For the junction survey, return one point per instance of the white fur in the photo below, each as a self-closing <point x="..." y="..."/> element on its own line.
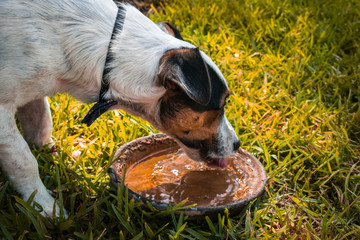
<point x="46" y="47"/>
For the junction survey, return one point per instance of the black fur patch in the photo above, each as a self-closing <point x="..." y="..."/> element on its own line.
<point x="218" y="90"/>
<point x="176" y="32"/>
<point x="193" y="144"/>
<point x="170" y="29"/>
<point x="198" y="85"/>
<point x="186" y="68"/>
<point x="202" y="146"/>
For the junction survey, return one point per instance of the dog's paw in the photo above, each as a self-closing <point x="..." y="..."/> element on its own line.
<point x="48" y="211"/>
<point x="49" y="206"/>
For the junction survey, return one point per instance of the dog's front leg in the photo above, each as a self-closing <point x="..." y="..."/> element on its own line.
<point x="20" y="165"/>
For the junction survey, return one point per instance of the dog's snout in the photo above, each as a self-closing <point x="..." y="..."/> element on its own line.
<point x="236" y="144"/>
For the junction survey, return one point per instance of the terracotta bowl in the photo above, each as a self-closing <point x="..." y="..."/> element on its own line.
<point x="137" y="150"/>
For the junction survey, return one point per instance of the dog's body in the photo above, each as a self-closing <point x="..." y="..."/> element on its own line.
<point x="51" y="46"/>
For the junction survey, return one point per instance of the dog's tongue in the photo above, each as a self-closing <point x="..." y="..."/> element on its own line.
<point x="217" y="162"/>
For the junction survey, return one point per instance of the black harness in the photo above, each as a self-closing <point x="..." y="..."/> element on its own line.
<point x="104" y="104"/>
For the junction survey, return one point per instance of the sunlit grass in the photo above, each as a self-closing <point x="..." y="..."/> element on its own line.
<point x="294" y="71"/>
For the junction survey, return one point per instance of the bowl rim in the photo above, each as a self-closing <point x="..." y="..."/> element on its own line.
<point x="233" y="207"/>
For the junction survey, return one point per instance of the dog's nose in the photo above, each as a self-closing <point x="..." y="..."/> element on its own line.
<point x="236" y="144"/>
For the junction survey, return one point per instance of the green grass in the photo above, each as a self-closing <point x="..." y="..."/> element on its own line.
<point x="294" y="71"/>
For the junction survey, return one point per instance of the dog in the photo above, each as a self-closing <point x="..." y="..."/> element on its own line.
<point x="98" y="51"/>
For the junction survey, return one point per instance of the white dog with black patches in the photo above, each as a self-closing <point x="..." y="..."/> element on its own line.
<point x="97" y="51"/>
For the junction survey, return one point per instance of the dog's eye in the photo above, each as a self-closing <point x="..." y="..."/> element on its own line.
<point x="187" y="132"/>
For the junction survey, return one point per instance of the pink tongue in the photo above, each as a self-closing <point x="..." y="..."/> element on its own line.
<point x="217" y="162"/>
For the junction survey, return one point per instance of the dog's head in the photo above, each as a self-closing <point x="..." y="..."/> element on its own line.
<point x="192" y="108"/>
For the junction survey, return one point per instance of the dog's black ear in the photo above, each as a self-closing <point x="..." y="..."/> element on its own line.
<point x="186" y="68"/>
<point x="170" y="29"/>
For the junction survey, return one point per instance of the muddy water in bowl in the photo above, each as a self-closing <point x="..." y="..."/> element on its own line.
<point x="159" y="173"/>
<point x="171" y="177"/>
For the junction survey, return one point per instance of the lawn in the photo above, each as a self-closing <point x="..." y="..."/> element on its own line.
<point x="293" y="67"/>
